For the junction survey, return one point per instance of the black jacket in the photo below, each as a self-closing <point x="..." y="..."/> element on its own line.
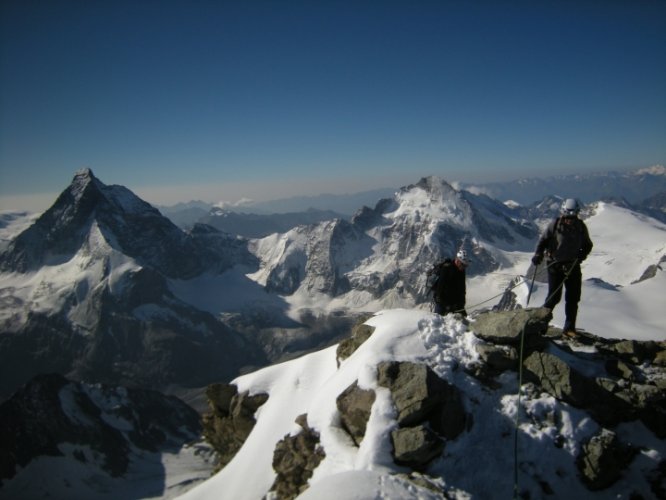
<point x="449" y="286"/>
<point x="565" y="241"/>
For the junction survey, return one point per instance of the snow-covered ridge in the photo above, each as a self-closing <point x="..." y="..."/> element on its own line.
<point x="551" y="432"/>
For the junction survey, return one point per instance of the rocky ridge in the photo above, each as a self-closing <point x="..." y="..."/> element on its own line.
<point x="621" y="382"/>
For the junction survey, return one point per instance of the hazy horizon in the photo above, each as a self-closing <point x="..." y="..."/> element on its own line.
<point x="249" y="193"/>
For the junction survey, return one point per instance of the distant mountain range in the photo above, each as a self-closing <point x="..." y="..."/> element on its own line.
<point x="634" y="186"/>
<point x="102" y="287"/>
<point x="643" y="190"/>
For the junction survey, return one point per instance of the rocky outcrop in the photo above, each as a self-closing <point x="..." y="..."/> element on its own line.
<point x="294" y="460"/>
<point x="429" y="411"/>
<point x="231" y="419"/>
<point x="420" y="396"/>
<point x="360" y="333"/>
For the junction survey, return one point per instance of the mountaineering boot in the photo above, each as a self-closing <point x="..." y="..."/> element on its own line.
<point x="569" y="329"/>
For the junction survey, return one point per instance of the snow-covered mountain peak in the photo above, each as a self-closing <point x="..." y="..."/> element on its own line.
<point x="434" y="198"/>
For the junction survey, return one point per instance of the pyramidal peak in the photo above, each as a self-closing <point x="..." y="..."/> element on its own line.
<point x="83" y="179"/>
<point x="85" y="184"/>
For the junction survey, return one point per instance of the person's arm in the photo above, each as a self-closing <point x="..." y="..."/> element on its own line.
<point x="542" y="245"/>
<point x="587" y="245"/>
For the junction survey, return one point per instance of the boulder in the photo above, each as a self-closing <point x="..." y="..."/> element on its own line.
<point x="355" y="405"/>
<point x="415" y="389"/>
<point x="498" y="357"/>
<point x="634" y="351"/>
<point x="416" y="446"/>
<point x="420" y="396"/>
<point x="506" y="327"/>
<point x="602" y="460"/>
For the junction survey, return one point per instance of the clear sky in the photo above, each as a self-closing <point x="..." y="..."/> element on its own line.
<point x="219" y="100"/>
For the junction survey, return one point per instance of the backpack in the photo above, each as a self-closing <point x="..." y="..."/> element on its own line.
<point x="567" y="242"/>
<point x="436" y="278"/>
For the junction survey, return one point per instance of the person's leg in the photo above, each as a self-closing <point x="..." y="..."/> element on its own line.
<point x="555" y="281"/>
<point x="572" y="295"/>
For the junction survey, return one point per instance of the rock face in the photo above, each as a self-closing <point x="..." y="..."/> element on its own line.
<point x="107" y="428"/>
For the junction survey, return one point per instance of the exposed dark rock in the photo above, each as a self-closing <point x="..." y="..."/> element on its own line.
<point x="498" y="357"/>
<point x="602" y="460"/>
<point x="360" y="333"/>
<point x="355" y="405"/>
<point x="567" y="384"/>
<point x="428" y="407"/>
<point x="294" y="460"/>
<point x="231" y="419"/>
<point x="421" y="396"/>
<point x="634" y="351"/>
<point x="506" y="327"/>
<point x="416" y="446"/>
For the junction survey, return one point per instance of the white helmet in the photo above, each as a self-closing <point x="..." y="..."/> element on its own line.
<point x="570" y="207"/>
<point x="462" y="257"/>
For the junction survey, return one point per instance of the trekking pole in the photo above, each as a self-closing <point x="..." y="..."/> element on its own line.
<point x="529" y="294"/>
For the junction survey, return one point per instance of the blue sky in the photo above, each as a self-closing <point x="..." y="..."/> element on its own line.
<point x="216" y="100"/>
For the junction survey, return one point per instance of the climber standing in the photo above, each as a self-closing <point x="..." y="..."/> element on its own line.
<point x="565" y="243"/>
<point x="448" y="287"/>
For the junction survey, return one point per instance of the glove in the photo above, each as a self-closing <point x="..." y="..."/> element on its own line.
<point x="536" y="260"/>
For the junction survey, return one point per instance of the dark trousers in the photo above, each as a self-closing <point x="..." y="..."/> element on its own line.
<point x="568" y="276"/>
<point x="445" y="309"/>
